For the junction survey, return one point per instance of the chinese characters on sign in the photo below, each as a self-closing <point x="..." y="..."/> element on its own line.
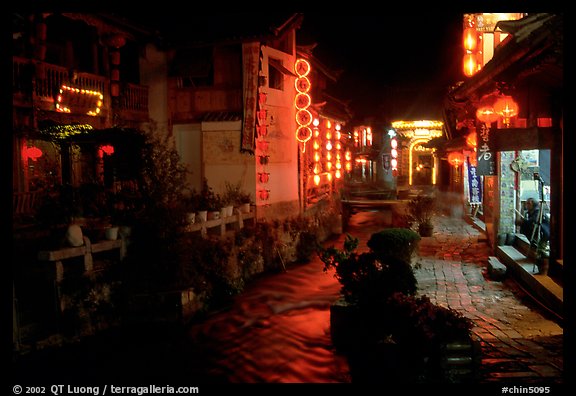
<point x="474" y="184"/>
<point x="486" y="159"/>
<point x="251" y="65"/>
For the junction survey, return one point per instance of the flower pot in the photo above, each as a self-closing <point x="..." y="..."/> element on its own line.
<point x="202" y="215"/>
<point x="245" y="208"/>
<point x="74" y="236"/>
<point x="111" y="233"/>
<point x="191" y="217"/>
<point x="229" y="210"/>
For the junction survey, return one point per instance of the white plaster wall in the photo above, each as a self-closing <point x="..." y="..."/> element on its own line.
<point x="222" y="160"/>
<point x="283" y="147"/>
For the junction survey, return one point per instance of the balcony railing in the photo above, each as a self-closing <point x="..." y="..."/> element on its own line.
<point x="40" y="82"/>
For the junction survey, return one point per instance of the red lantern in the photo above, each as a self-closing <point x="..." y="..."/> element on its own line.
<point x="262" y="130"/>
<point x="33" y="153"/>
<point x="471" y="139"/>
<point x="469" y="65"/>
<point x="116" y="41"/>
<point x="264" y="194"/>
<point x="506" y="107"/>
<point x="455" y="158"/>
<point x="487" y="114"/>
<point x="107" y="149"/>
<point x="485" y="110"/>
<point x="264" y="177"/>
<point x="470" y="39"/>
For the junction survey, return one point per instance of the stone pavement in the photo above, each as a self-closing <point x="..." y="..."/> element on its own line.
<point x="521" y="343"/>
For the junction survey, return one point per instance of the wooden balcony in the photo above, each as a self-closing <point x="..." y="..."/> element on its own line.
<point x="36" y="84"/>
<point x="188" y="102"/>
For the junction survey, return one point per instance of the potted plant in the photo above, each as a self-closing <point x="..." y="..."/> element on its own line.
<point x="542" y="256"/>
<point x="421" y="210"/>
<point x="235" y="196"/>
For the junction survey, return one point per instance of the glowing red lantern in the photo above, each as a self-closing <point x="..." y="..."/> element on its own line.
<point x="264" y="194"/>
<point x="116" y="41"/>
<point x="487" y="115"/>
<point x="107" y="149"/>
<point x="264" y="177"/>
<point x="262" y="130"/>
<point x="470" y="39"/>
<point x="506" y="107"/>
<point x="455" y="158"/>
<point x="263" y="145"/>
<point x="33" y="153"/>
<point x="469" y="65"/>
<point x="471" y="139"/>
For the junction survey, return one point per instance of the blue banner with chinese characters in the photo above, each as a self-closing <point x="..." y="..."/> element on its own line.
<point x="474" y="184"/>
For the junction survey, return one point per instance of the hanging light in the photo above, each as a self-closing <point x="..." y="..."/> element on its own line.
<point x="507" y="108"/>
<point x="471" y="139"/>
<point x="485" y="110"/>
<point x="455" y="158"/>
<point x="107" y="149"/>
<point x="33" y="153"/>
<point x="470" y="38"/>
<point x="469" y="65"/>
<point x="487" y="115"/>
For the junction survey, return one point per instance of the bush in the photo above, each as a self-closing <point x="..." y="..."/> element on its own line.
<point x="399" y="243"/>
<point x="426" y="326"/>
<point x="369" y="278"/>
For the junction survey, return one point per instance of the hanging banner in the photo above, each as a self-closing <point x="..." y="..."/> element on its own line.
<point x="474" y="184"/>
<point x="251" y="64"/>
<point x="486" y="158"/>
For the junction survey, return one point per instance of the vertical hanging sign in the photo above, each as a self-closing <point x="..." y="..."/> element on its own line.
<point x="485" y="155"/>
<point x="474" y="184"/>
<point x="250" y="68"/>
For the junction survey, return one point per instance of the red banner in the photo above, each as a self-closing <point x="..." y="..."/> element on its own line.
<point x="251" y="66"/>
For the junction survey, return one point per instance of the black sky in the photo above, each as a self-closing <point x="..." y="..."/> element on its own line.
<point x="412" y="55"/>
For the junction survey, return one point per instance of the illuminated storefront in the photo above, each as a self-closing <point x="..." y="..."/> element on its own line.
<point x="417" y="164"/>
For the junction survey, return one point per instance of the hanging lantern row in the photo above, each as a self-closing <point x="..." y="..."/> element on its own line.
<point x="262" y="145"/>
<point x="394" y="154"/>
<point x="471" y="42"/>
<point x="302" y="102"/>
<point x="338" y="151"/>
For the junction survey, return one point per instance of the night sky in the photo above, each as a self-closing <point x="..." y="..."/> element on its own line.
<point x="387" y="58"/>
